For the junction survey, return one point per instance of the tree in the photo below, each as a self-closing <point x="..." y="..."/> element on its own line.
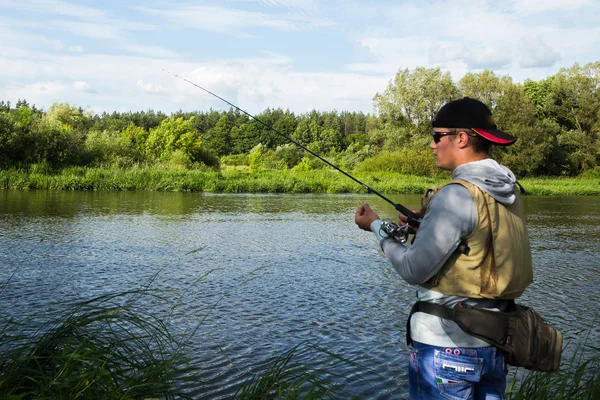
<point x="485" y="87"/>
<point x="218" y="139"/>
<point x="415" y="96"/>
<point x="540" y="93"/>
<point x="174" y="134"/>
<point x="331" y="140"/>
<point x="576" y="95"/>
<point x="245" y="137"/>
<point x="58" y="138"/>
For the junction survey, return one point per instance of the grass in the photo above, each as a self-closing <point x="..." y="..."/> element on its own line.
<point x="118" y="346"/>
<point x="286" y="379"/>
<point x="113" y="347"/>
<point x="108" y="347"/>
<point x="578" y="379"/>
<point x="239" y="181"/>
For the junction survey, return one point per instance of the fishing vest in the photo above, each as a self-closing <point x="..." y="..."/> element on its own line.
<point x="498" y="264"/>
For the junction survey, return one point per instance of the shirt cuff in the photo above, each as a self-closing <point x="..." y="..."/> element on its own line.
<point x="376" y="229"/>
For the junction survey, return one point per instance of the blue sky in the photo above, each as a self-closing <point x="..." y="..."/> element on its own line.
<point x="297" y="54"/>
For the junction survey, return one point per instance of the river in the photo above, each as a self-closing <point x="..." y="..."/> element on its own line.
<point x="281" y="270"/>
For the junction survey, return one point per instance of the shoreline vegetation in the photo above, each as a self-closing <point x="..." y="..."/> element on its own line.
<point x="66" y="147"/>
<point x="243" y="181"/>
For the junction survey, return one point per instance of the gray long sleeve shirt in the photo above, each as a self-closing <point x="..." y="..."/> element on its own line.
<point x="450" y="217"/>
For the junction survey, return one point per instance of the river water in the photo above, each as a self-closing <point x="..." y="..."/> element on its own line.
<point x="265" y="273"/>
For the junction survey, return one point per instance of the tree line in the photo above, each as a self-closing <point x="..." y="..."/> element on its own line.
<point x="556" y="120"/>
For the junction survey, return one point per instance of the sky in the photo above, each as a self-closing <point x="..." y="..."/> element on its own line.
<point x="300" y="55"/>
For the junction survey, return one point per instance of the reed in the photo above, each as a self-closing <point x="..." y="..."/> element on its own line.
<point x="112" y="347"/>
<point x="285" y="379"/>
<point x="578" y="379"/>
<point x="108" y="347"/>
<point x="243" y="181"/>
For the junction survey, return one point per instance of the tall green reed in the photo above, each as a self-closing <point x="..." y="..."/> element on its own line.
<point x="577" y="379"/>
<point x="109" y="347"/>
<point x="269" y="181"/>
<point x="287" y="378"/>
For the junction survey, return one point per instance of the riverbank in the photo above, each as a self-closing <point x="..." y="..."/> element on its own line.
<point x="240" y="181"/>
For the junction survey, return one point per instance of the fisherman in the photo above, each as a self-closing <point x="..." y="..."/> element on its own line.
<point x="471" y="249"/>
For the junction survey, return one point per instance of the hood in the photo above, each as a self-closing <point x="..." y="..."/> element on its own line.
<point x="490" y="176"/>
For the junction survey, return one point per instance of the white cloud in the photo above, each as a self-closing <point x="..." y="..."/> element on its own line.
<point x="88" y="29"/>
<point x="57" y="7"/>
<point x="43" y="93"/>
<point x="536" y="54"/>
<point x="364" y="46"/>
<point x="151" y="87"/>
<point x="538" y="6"/>
<point x="151" y="51"/>
<point x="55" y="44"/>
<point x="489" y="57"/>
<point x="233" y="21"/>
<point x="83" y="87"/>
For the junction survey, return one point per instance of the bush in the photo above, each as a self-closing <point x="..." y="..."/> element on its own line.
<point x="593" y="173"/>
<point x="236" y="160"/>
<point x="407" y="162"/>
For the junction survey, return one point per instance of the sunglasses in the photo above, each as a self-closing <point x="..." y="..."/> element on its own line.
<point x="437" y="136"/>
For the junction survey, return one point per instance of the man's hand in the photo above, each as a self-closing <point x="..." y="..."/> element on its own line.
<point x="403" y="220"/>
<point x="364" y="217"/>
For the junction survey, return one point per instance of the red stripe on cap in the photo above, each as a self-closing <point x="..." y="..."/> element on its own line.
<point x="491" y="137"/>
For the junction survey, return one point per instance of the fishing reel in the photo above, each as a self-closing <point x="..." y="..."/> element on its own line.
<point x="398" y="233"/>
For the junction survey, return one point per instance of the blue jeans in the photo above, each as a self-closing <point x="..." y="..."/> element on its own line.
<point x="456" y="373"/>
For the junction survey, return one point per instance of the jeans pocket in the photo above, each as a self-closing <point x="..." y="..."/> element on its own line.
<point x="456" y="375"/>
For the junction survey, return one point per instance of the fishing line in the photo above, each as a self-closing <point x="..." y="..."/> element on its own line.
<point x="414" y="219"/>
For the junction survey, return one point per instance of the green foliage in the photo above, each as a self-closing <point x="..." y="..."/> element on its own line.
<point x="108" y="347"/>
<point x="289" y="154"/>
<point x="218" y="139"/>
<point x="108" y="148"/>
<point x="309" y="163"/>
<point x="284" y="378"/>
<point x="59" y="136"/>
<point x="540" y="93"/>
<point x="556" y="120"/>
<point x="408" y="162"/>
<point x="11" y="142"/>
<point x="578" y="378"/>
<point x="236" y="160"/>
<point x="331" y="140"/>
<point x="415" y="97"/>
<point x="591" y="174"/>
<point x="296" y="180"/>
<point x="354" y="155"/>
<point x="485" y="86"/>
<point x="576" y="97"/>
<point x="357" y="140"/>
<point x="580" y="150"/>
<point x="257" y="158"/>
<point x="172" y="134"/>
<point x="391" y="137"/>
<point x="134" y="135"/>
<point x="177" y="142"/>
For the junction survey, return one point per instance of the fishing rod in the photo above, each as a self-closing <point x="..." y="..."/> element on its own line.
<point x="413" y="219"/>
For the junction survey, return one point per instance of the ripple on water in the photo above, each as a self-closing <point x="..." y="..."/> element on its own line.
<point x="263" y="274"/>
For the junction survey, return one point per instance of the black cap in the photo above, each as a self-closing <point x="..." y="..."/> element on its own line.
<point x="471" y="113"/>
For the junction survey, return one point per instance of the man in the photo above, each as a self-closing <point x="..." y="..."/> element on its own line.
<point x="482" y="211"/>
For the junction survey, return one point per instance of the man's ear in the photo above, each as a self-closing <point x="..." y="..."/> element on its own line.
<point x="463" y="139"/>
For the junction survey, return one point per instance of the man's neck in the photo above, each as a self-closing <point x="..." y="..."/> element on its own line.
<point x="473" y="158"/>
